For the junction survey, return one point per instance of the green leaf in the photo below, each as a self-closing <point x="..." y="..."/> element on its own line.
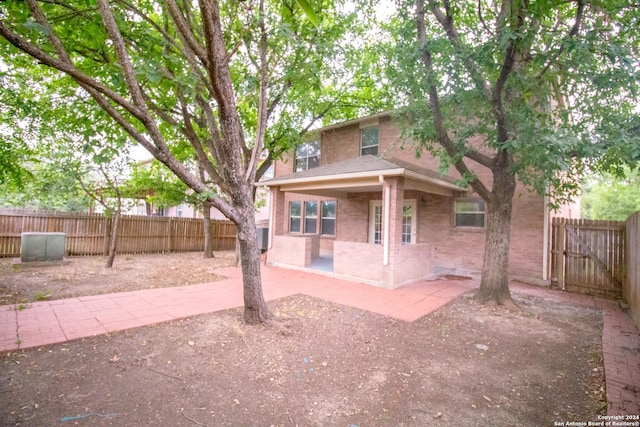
<point x="308" y="11"/>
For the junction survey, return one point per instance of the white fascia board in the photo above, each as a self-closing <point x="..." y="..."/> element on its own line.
<point x="328" y="178"/>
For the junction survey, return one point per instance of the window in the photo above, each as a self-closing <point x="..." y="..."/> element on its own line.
<point x="375" y="223"/>
<point x="303" y="217"/>
<point x="308" y="156"/>
<point x="369" y="141"/>
<point x="407" y="224"/>
<point x="295" y="217"/>
<point x="470" y="213"/>
<point x="310" y="217"/>
<point x="328" y="222"/>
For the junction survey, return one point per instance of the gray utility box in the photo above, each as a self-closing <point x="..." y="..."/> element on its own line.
<point x="42" y="247"/>
<point x="263" y="238"/>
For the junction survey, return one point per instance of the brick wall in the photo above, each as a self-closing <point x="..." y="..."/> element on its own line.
<point x="359" y="261"/>
<point x="412" y="263"/>
<point x="352" y="215"/>
<point x="290" y="250"/>
<point x="463" y="248"/>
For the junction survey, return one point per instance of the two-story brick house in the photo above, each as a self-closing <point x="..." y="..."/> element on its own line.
<point x="354" y="204"/>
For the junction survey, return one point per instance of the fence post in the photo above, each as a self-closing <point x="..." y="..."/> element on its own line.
<point x="170" y="235"/>
<point x="560" y="254"/>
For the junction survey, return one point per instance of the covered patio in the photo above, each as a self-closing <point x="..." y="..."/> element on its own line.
<point x="376" y="238"/>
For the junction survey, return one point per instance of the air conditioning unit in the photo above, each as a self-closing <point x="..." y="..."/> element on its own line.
<point x="42" y="247"/>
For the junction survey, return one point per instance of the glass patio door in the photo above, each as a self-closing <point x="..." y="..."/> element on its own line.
<point x="408" y="222"/>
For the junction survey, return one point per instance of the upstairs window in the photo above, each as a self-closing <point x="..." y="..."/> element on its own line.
<point x="308" y="156"/>
<point x="369" y="141"/>
<point x="470" y="213"/>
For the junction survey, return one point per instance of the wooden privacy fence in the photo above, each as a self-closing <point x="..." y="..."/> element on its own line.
<point x="588" y="256"/>
<point x="90" y="234"/>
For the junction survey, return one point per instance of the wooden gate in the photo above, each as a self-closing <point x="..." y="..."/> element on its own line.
<point x="588" y="256"/>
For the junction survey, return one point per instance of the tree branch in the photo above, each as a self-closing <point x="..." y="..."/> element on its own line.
<point x="479" y="158"/>
<point x="193" y="139"/>
<point x="446" y="22"/>
<point x="572" y="33"/>
<point x="65" y="67"/>
<point x="441" y="134"/>
<point x="184" y="32"/>
<point x="250" y="173"/>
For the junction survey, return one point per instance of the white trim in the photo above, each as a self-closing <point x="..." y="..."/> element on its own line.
<point x="354" y="175"/>
<point x="271" y="216"/>
<point x="545" y="240"/>
<point x="369" y="123"/>
<point x="387" y="220"/>
<point x="413" y="204"/>
<point x="355" y="121"/>
<point x="371" y="235"/>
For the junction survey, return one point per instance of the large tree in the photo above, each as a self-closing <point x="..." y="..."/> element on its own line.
<point x="217" y="77"/>
<point x="529" y="91"/>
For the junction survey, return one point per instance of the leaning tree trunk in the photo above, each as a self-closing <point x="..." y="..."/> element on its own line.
<point x="208" y="241"/>
<point x="494" y="284"/>
<point x="114" y="239"/>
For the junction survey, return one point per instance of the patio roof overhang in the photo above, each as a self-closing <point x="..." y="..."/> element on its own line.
<point x="363" y="174"/>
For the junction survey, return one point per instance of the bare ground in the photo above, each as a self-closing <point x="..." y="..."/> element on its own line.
<point x="326" y="365"/>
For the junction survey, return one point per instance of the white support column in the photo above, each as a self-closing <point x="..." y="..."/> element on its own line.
<point x="272" y="213"/>
<point x="387" y="219"/>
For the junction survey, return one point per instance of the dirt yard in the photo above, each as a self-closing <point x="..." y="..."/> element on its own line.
<point x="81" y="276"/>
<point x="328" y="365"/>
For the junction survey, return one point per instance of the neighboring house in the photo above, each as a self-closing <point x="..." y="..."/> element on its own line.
<point x="354" y="204"/>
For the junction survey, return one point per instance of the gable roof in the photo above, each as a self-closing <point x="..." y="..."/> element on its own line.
<point x="362" y="174"/>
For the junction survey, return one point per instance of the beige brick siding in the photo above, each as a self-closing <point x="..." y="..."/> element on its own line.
<point x="361" y="261"/>
<point x="412" y="263"/>
<point x="290" y="250"/>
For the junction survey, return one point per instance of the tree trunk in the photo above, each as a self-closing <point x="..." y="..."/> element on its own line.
<point x="208" y="241"/>
<point x="114" y="239"/>
<point x="494" y="285"/>
<point x="255" y="307"/>
<point x="237" y="255"/>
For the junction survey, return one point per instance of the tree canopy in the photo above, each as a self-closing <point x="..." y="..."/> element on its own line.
<point x="525" y="91"/>
<point x="211" y="83"/>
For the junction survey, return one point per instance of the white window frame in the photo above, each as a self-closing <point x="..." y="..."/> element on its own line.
<point x="478" y="212"/>
<point x="331" y="218"/>
<point x="373" y="206"/>
<point x="306" y="157"/>
<point x="313" y="217"/>
<point x="377" y="146"/>
<point x="377" y="204"/>
<point x="299" y="218"/>
<point x="413" y="205"/>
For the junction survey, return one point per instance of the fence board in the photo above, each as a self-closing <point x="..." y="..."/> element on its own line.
<point x="89" y="234"/>
<point x="588" y="256"/>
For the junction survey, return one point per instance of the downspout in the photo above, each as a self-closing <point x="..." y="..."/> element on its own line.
<point x="545" y="240"/>
<point x="272" y="214"/>
<point x="387" y="220"/>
